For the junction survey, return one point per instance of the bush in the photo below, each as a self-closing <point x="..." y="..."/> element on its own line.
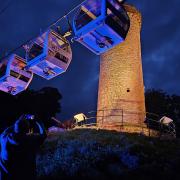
<point x="103" y="154"/>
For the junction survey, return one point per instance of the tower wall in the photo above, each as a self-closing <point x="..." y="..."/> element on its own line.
<point x="121" y="88"/>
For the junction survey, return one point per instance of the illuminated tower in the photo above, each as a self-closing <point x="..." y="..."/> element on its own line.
<point x="121" y="88"/>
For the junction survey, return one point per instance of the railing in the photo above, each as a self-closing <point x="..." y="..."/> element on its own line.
<point x="100" y="118"/>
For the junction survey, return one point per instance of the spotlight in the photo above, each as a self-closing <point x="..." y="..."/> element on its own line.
<point x="121" y="1"/>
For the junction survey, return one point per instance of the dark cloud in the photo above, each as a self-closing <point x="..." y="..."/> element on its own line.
<point x="79" y="85"/>
<point x="160" y="42"/>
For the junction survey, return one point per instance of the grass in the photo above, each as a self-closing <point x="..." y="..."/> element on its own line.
<point x="90" y="153"/>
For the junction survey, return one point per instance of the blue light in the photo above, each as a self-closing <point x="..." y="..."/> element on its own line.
<point x="100" y="25"/>
<point x="49" y="55"/>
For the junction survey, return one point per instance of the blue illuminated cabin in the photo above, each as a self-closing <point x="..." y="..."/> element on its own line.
<point x="13" y="78"/>
<point x="49" y="55"/>
<point x="101" y="24"/>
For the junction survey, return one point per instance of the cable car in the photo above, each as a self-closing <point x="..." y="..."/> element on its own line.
<point x="13" y="78"/>
<point x="49" y="55"/>
<point x="100" y="25"/>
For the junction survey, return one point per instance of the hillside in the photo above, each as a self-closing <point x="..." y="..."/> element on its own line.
<point x="107" y="154"/>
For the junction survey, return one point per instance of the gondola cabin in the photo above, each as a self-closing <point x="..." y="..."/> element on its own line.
<point x="49" y="55"/>
<point x="13" y="78"/>
<point x="101" y="24"/>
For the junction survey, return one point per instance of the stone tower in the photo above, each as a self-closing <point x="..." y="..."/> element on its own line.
<point x="121" y="89"/>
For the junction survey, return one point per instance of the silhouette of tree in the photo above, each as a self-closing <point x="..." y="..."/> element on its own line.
<point x="162" y="104"/>
<point x="8" y="112"/>
<point x="43" y="103"/>
<point x="156" y="102"/>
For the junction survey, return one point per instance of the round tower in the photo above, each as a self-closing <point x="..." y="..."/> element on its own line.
<point x="121" y="99"/>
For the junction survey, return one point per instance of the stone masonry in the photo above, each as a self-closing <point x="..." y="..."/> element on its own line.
<point x="121" y="88"/>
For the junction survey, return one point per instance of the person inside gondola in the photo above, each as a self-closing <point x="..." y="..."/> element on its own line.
<point x="18" y="149"/>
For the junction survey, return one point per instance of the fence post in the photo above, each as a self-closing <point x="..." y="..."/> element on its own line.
<point x="122" y="117"/>
<point x="148" y="127"/>
<point x="103" y="119"/>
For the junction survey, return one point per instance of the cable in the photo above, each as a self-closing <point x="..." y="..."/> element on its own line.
<point x="53" y="24"/>
<point x="6" y="7"/>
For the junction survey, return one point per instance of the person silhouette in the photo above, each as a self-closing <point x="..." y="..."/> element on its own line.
<point x="19" y="147"/>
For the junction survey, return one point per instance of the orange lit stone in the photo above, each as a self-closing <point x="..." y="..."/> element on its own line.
<point x="121" y="88"/>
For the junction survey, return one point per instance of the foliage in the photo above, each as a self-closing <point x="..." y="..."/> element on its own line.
<point x="162" y="104"/>
<point x="159" y="102"/>
<point x="105" y="154"/>
<point x="43" y="103"/>
<point x="74" y="153"/>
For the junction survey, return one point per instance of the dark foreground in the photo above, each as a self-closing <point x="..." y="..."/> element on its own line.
<point x="100" y="154"/>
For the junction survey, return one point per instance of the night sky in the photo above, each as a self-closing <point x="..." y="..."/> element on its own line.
<point x="24" y="19"/>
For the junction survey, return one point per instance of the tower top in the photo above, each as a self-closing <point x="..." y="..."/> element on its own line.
<point x="133" y="12"/>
